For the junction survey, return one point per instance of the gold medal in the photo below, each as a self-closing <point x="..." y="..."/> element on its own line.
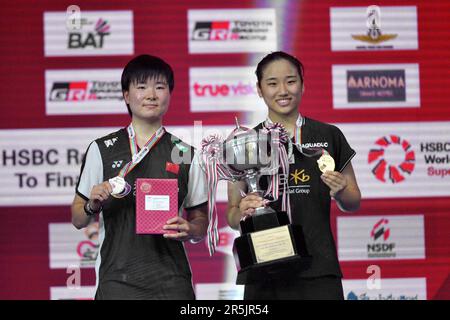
<point x="326" y="163"/>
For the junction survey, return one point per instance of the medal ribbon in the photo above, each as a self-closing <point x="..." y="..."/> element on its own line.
<point x="136" y="156"/>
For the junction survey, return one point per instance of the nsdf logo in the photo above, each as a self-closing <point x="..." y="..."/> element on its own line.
<point x="379" y="234"/>
<point x="376" y="86"/>
<point x="232" y="30"/>
<point x="393" y="159"/>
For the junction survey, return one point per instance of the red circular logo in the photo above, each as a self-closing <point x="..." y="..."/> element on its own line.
<point x="146" y="187"/>
<point x="382" y="169"/>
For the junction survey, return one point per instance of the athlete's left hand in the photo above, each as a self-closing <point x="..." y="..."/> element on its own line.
<point x="335" y="180"/>
<point x="178" y="224"/>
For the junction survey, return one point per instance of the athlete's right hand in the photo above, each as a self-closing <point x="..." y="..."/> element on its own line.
<point x="101" y="192"/>
<point x="249" y="203"/>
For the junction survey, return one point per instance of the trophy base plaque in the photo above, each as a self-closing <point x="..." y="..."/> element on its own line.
<point x="269" y="247"/>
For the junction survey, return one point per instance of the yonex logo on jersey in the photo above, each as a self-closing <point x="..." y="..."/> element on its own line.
<point x="110" y="142"/>
<point x="392" y="159"/>
<point x="117" y="164"/>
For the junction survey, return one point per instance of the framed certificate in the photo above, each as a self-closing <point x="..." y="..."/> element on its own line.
<point x="156" y="202"/>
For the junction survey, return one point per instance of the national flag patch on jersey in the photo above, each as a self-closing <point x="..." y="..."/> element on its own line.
<point x="172" y="167"/>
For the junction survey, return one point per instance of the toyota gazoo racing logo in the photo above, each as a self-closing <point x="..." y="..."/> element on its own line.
<point x="392" y="159"/>
<point x="213" y="31"/>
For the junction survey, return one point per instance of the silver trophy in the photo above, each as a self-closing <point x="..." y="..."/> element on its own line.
<point x="268" y="243"/>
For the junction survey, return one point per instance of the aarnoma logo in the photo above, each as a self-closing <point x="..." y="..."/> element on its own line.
<point x="392" y="159"/>
<point x="380" y="229"/>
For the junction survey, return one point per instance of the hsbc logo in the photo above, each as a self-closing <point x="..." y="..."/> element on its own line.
<point x="392" y="159"/>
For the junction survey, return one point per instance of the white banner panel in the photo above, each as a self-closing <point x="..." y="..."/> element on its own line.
<point x="390" y="289"/>
<point x="88" y="33"/>
<point x="224" y="89"/>
<point x="232" y="30"/>
<point x="84" y="91"/>
<point x="69" y="247"/>
<point x="401" y="159"/>
<point x="367" y="86"/>
<point x="381" y="237"/>
<point x="41" y="166"/>
<point x="374" y="28"/>
<point x="407" y="159"/>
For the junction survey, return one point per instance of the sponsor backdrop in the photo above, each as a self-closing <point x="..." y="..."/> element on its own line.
<point x="380" y="73"/>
